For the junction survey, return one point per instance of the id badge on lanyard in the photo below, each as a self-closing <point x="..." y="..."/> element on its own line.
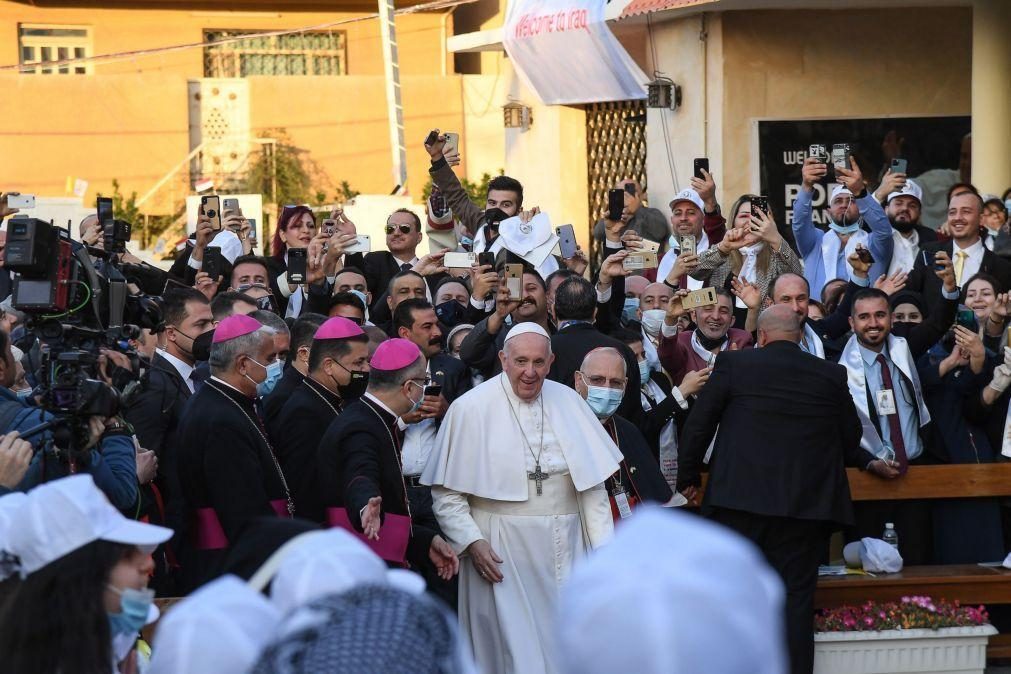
<point x="884" y="400"/>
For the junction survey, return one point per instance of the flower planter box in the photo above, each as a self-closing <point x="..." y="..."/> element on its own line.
<point x="960" y="650"/>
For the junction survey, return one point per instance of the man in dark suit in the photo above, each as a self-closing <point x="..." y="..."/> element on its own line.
<point x="156" y="409"/>
<point x="777" y="473"/>
<point x="338" y="373"/>
<point x="359" y="459"/>
<point x="296" y="367"/>
<point x="965" y="250"/>
<point x="403" y="235"/>
<point x="575" y="304"/>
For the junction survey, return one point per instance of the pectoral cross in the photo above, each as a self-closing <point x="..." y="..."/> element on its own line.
<point x="538" y="477"/>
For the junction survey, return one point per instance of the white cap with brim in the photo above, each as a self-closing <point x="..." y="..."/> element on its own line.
<point x="838" y="190"/>
<point x="910" y="189"/>
<point x="318" y="563"/>
<point x="64" y="515"/>
<point x="221" y="628"/>
<point x="688" y="195"/>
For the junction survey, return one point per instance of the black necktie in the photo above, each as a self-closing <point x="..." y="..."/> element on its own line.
<point x="405" y="267"/>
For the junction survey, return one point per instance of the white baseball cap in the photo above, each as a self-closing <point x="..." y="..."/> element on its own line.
<point x="222" y="627"/>
<point x="837" y="190"/>
<point x="64" y="515"/>
<point x="691" y="195"/>
<point x="910" y="189"/>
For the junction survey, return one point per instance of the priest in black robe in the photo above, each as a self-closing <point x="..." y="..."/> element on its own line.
<point x="338" y="372"/>
<point x="360" y="460"/>
<point x="228" y="473"/>
<point x="601" y="381"/>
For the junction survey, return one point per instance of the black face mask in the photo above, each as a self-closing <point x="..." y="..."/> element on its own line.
<point x="493" y="216"/>
<point x="902" y="227"/>
<point x="355" y="388"/>
<point x="707" y="343"/>
<point x="450" y="313"/>
<point x="202" y="346"/>
<point x="902" y="329"/>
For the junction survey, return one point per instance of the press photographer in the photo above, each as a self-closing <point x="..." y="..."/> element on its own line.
<point x="81" y="318"/>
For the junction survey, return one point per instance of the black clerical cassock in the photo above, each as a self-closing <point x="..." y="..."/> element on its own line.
<point x="297" y="430"/>
<point x="638" y="479"/>
<point x="360" y="458"/>
<point x="228" y="476"/>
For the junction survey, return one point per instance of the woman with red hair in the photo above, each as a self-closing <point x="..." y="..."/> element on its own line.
<point x="296" y="228"/>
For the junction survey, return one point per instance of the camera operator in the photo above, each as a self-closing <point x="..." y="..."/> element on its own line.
<point x="111" y="459"/>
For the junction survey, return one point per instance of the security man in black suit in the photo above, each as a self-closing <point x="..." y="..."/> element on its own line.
<point x="575" y="307"/>
<point x="787" y="429"/>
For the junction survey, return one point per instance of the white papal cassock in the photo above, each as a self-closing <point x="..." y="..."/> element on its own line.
<point x="481" y="489"/>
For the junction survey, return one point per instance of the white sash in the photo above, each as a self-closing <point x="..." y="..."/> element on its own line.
<point x="667" y="262"/>
<point x="652" y="357"/>
<point x="830" y="251"/>
<point x="811" y="343"/>
<point x="898" y="352"/>
<point x="704" y="353"/>
<point x="708" y="357"/>
<point x="1005" y="445"/>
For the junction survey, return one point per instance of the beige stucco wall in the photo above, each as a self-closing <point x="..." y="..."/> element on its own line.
<point x="129" y="119"/>
<point x="832" y="64"/>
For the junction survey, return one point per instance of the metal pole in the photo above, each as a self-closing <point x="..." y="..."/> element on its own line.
<point x="395" y="109"/>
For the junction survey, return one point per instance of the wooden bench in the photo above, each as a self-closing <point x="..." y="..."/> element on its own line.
<point x="968" y="583"/>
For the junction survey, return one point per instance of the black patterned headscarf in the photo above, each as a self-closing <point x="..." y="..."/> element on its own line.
<point x="371" y="628"/>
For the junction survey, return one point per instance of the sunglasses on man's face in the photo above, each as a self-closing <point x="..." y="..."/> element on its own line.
<point x="404" y="229"/>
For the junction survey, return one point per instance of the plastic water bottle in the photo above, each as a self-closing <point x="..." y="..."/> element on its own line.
<point x="890" y="536"/>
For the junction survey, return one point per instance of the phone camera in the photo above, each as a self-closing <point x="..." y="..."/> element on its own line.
<point x="212" y="213"/>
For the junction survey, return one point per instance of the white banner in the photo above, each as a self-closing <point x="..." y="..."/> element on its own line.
<point x="564" y="52"/>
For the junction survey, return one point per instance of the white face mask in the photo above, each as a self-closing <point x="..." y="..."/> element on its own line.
<point x="652" y="320"/>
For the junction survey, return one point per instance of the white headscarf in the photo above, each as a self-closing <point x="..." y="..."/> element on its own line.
<point x="220" y="628"/>
<point x="650" y="603"/>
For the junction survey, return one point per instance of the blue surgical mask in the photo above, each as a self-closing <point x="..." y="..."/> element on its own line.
<point x="134" y="606"/>
<point x="602" y="400"/>
<point x="24" y="395"/>
<point x="643" y="371"/>
<point x="415" y="404"/>
<point x="847" y="229"/>
<point x="629" y="312"/>
<point x="274" y="372"/>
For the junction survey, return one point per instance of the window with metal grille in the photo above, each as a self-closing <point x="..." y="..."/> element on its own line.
<point x="320" y="53"/>
<point x="39" y="45"/>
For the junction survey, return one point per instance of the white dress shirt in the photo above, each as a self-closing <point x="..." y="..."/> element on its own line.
<point x="904" y="251"/>
<point x="419" y="441"/>
<point x="184" y="369"/>
<point x="972" y="263"/>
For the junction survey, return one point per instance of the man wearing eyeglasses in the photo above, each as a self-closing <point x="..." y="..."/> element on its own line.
<point x="403" y="235"/>
<point x="601" y="381"/>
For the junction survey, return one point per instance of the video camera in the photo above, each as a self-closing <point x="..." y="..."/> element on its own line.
<point x="76" y="307"/>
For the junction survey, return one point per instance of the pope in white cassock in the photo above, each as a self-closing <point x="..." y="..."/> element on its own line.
<point x="518" y="485"/>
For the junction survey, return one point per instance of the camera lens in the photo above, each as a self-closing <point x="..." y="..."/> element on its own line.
<point x="212" y="213"/>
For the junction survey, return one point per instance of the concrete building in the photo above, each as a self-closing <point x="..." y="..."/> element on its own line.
<point x="817" y="68"/>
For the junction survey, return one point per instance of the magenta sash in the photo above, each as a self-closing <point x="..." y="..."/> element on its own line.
<point x="393" y="534"/>
<point x="208" y="532"/>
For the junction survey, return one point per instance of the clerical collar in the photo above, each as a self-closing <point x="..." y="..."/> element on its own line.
<point x="381" y="405"/>
<point x="232" y="391"/>
<point x="328" y="395"/>
<point x="707" y="343"/>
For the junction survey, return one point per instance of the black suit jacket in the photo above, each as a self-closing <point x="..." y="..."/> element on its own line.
<point x="666" y="410"/>
<point x="787" y="429"/>
<point x="156" y="409"/>
<point x="638" y="467"/>
<point x="923" y="280"/>
<point x="274" y="403"/>
<point x="380" y="267"/>
<point x="451" y="374"/>
<point x="304" y="418"/>
<point x="571" y="344"/>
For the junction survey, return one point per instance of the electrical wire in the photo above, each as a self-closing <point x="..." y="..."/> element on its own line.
<point x="126" y="55"/>
<point x="83" y="304"/>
